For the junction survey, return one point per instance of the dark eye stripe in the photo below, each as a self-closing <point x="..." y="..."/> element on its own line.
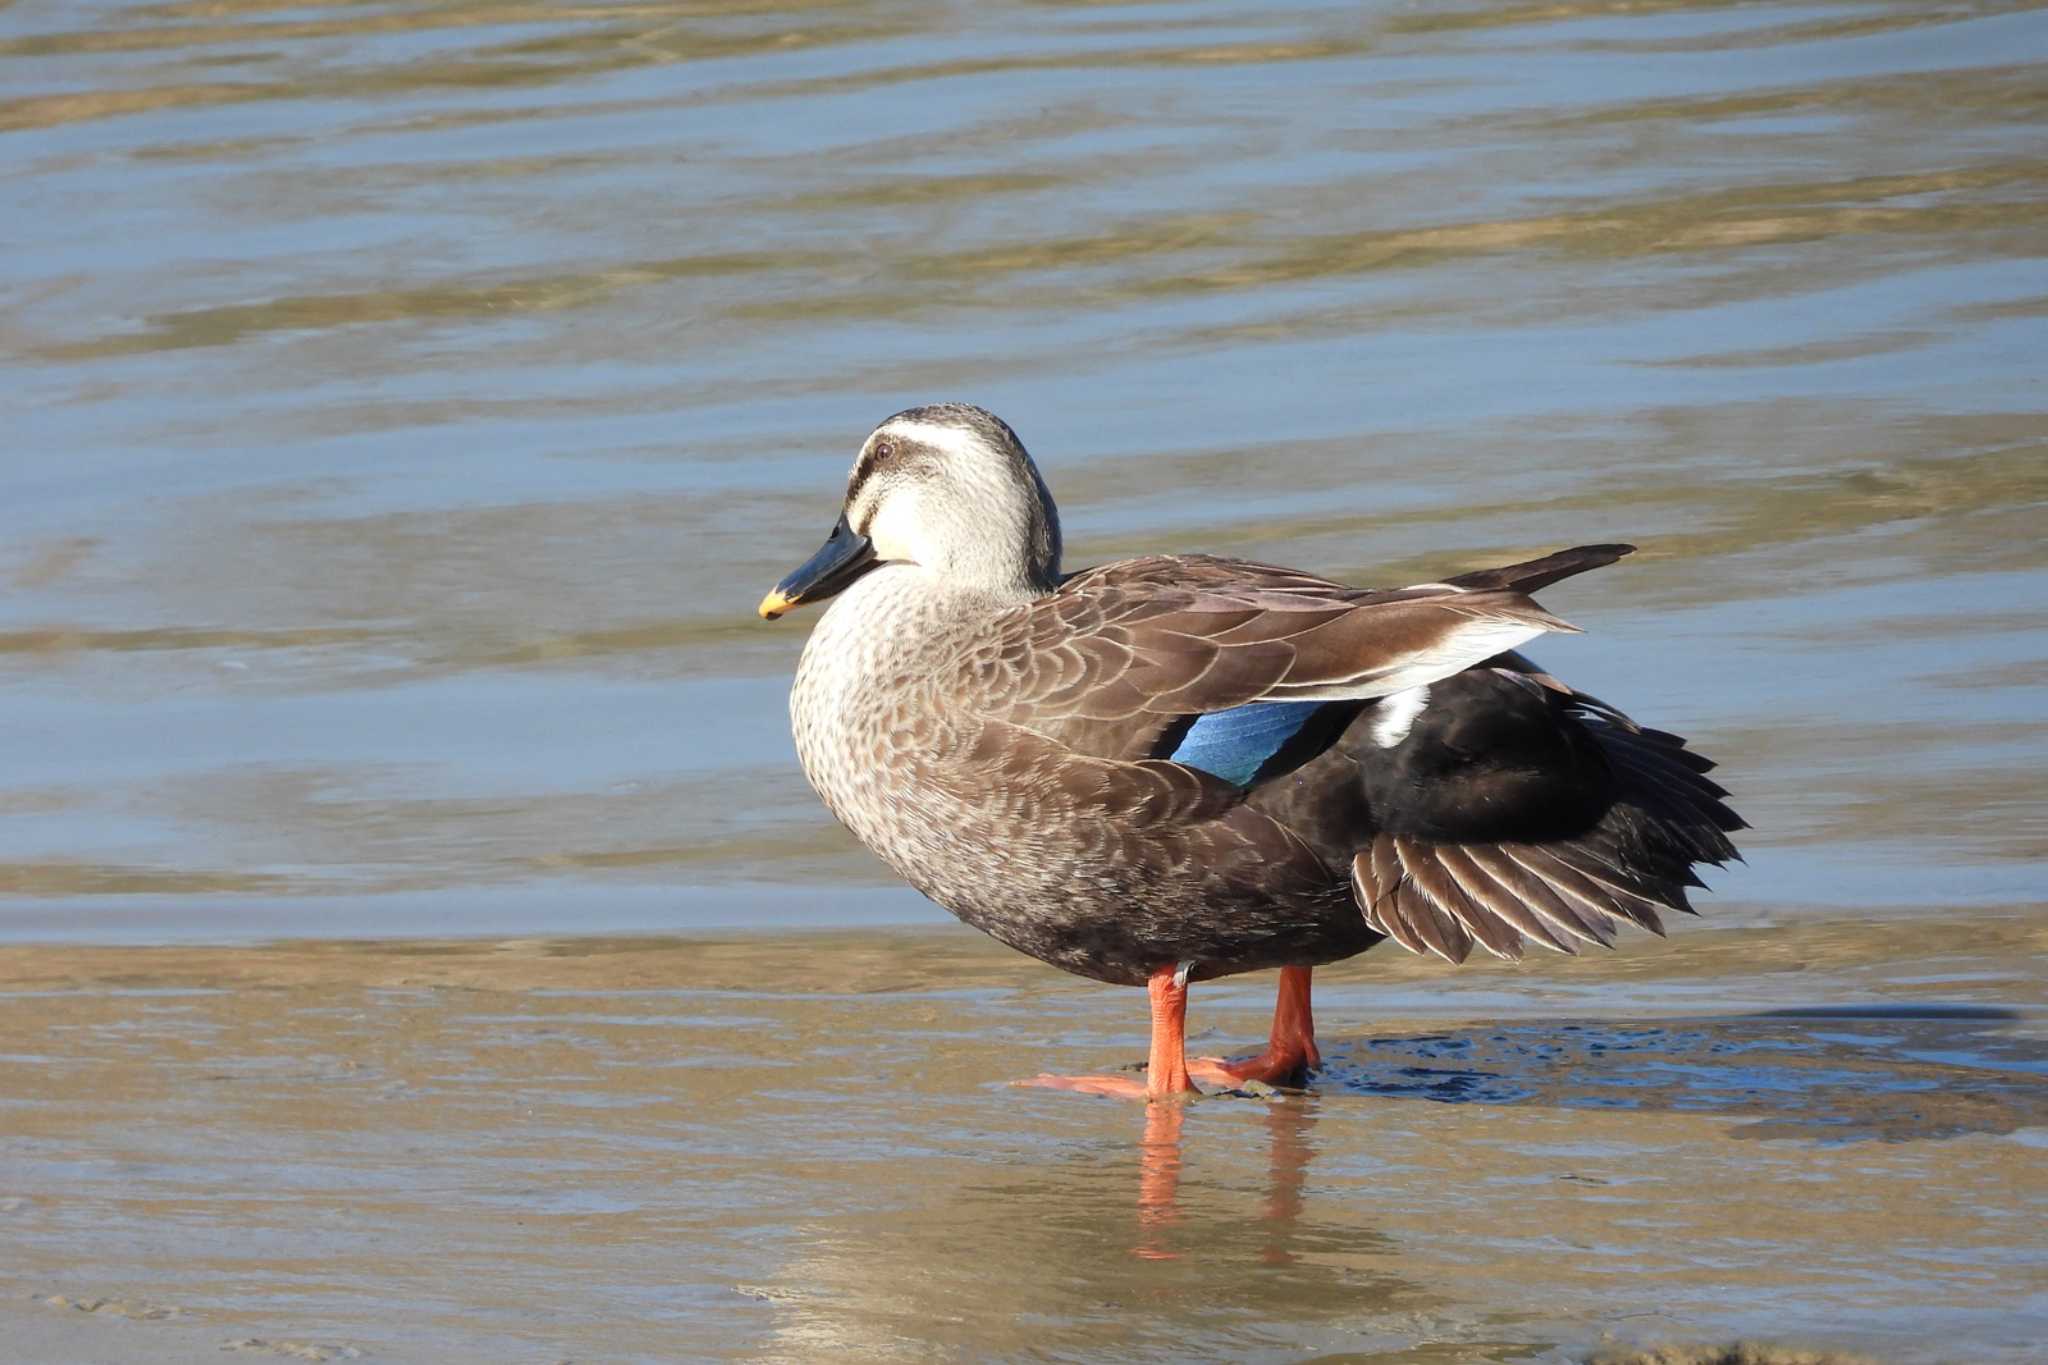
<point x="877" y="453"/>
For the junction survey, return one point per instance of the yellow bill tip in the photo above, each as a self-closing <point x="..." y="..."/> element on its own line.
<point x="774" y="604"/>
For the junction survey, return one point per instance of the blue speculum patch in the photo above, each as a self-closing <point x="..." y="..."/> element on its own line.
<point x="1235" y="744"/>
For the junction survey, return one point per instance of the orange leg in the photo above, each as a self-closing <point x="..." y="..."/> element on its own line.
<point x="1166" y="1073"/>
<point x="1290" y="1048"/>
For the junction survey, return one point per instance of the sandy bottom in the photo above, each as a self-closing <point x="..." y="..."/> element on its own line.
<point x="1822" y="1136"/>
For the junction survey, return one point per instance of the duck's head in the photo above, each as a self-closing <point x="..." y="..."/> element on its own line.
<point x="948" y="488"/>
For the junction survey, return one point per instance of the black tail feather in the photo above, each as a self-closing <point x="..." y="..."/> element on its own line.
<point x="1541" y="573"/>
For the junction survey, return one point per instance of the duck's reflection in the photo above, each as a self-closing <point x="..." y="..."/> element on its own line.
<point x="1288" y="1149"/>
<point x="1027" y="1255"/>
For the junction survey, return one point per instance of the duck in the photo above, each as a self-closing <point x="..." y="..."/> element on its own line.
<point x="1168" y="769"/>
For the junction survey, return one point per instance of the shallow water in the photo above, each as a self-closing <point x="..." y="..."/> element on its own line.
<point x="409" y="403"/>
<point x="801" y="1147"/>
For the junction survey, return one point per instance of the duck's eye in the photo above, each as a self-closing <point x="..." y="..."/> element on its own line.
<point x="884" y="448"/>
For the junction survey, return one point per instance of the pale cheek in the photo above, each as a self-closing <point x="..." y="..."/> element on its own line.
<point x="894" y="528"/>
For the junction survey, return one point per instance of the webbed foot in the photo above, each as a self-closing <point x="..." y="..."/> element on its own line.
<point x="1290" y="1069"/>
<point x="1124" y="1086"/>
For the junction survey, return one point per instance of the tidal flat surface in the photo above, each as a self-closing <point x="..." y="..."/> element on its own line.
<point x="801" y="1147"/>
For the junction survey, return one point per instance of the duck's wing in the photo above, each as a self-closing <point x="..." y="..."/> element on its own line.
<point x="1213" y="573"/>
<point x="1568" y="821"/>
<point x="1122" y="656"/>
<point x="1502" y="807"/>
<point x="1295" y="725"/>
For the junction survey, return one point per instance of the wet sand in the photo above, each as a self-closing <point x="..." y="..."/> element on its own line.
<point x="1823" y="1133"/>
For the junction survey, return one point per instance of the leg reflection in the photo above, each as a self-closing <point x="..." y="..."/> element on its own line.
<point x="1159" y="1179"/>
<point x="1288" y="1150"/>
<point x="1287" y="1125"/>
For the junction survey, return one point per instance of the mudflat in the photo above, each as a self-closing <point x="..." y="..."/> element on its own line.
<point x="1823" y="1135"/>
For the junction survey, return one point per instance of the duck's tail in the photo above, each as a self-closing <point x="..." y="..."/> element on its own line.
<point x="1518" y="811"/>
<point x="1533" y="574"/>
<point x="1441" y="897"/>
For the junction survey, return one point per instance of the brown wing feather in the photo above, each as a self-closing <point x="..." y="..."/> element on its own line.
<point x="1441" y="898"/>
<point x="1375" y="878"/>
<point x="1199" y="572"/>
<point x="1634" y="862"/>
<point x="1462" y="890"/>
<point x="1203" y="654"/>
<point x="1494" y="903"/>
<point x="1106" y="662"/>
<point x="1522" y="894"/>
<point x="1442" y="931"/>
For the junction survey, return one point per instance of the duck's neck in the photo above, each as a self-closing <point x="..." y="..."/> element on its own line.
<point x="988" y="575"/>
<point x="913" y="595"/>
